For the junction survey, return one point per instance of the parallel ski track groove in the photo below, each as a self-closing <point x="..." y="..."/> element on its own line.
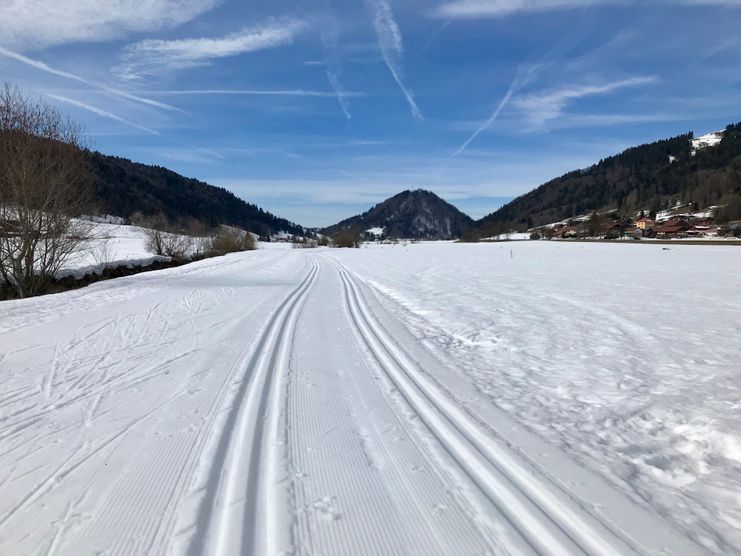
<point x="211" y="526"/>
<point x="574" y="534"/>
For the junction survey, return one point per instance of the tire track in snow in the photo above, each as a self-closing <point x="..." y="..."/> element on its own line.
<point x="237" y="515"/>
<point x="545" y="522"/>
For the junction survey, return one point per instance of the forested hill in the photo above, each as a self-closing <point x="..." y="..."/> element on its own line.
<point x="646" y="177"/>
<point x="124" y="187"/>
<point x="410" y="214"/>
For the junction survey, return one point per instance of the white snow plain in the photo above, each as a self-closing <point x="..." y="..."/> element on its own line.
<point x="110" y="245"/>
<point x="433" y="398"/>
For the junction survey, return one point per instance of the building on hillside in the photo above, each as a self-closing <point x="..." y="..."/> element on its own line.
<point x="613" y="230"/>
<point x="619" y="229"/>
<point x="555" y="231"/>
<point x="733" y="228"/>
<point x="570" y="231"/>
<point x="644" y="223"/>
<point x="676" y="227"/>
<point x="706" y="231"/>
<point x="373" y="234"/>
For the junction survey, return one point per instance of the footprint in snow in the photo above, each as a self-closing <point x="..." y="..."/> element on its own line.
<point x="326" y="509"/>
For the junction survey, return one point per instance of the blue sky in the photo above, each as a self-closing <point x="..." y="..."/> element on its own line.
<point x="318" y="109"/>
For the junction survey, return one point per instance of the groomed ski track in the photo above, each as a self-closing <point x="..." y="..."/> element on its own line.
<point x="272" y="403"/>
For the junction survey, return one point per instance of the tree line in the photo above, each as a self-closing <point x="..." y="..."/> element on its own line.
<point x="123" y="187"/>
<point x="49" y="180"/>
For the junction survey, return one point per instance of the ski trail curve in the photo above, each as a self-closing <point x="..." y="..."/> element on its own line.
<point x="548" y="524"/>
<point x="238" y="513"/>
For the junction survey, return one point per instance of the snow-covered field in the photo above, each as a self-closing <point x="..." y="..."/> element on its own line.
<point x="110" y="245"/>
<point x="519" y="398"/>
<point x="628" y="356"/>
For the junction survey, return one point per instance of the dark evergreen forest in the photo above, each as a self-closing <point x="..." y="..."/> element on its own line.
<point x="124" y="187"/>
<point x="639" y="178"/>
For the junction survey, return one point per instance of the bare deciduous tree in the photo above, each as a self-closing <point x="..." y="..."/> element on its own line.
<point x="44" y="184"/>
<point x="161" y="238"/>
<point x="102" y="253"/>
<point x="232" y="240"/>
<point x="346" y="238"/>
<point x="200" y="238"/>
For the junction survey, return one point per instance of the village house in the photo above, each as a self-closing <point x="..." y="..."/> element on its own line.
<point x="697" y="222"/>
<point x="733" y="228"/>
<point x="618" y="229"/>
<point x="644" y="223"/>
<point x="567" y="231"/>
<point x="706" y="230"/>
<point x="676" y="227"/>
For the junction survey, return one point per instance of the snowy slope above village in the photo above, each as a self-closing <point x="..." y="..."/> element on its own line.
<point x="705" y="141"/>
<point x="432" y="398"/>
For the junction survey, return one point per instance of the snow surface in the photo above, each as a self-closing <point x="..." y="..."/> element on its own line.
<point x="377" y="231"/>
<point x="625" y="355"/>
<point x="511" y="236"/>
<point x="432" y="398"/>
<point x="707" y="140"/>
<point x="111" y="245"/>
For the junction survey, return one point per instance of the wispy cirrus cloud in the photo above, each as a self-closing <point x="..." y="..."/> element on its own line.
<point x="472" y="9"/>
<point x="391" y="45"/>
<point x="540" y="108"/>
<point x="35" y="24"/>
<point x="464" y="9"/>
<point x="101" y="112"/>
<point x="152" y="56"/>
<point x="42" y="66"/>
<point x="255" y="92"/>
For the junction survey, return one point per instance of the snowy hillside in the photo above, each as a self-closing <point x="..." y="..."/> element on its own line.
<point x="705" y="141"/>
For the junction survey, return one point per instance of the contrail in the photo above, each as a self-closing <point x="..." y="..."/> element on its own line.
<point x="67" y="75"/>
<point x="513" y="88"/>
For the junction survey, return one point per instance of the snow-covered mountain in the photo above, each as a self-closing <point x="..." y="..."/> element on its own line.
<point x="411" y="214"/>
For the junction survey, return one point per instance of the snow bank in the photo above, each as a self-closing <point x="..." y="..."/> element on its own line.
<point x="112" y="245"/>
<point x="512" y="236"/>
